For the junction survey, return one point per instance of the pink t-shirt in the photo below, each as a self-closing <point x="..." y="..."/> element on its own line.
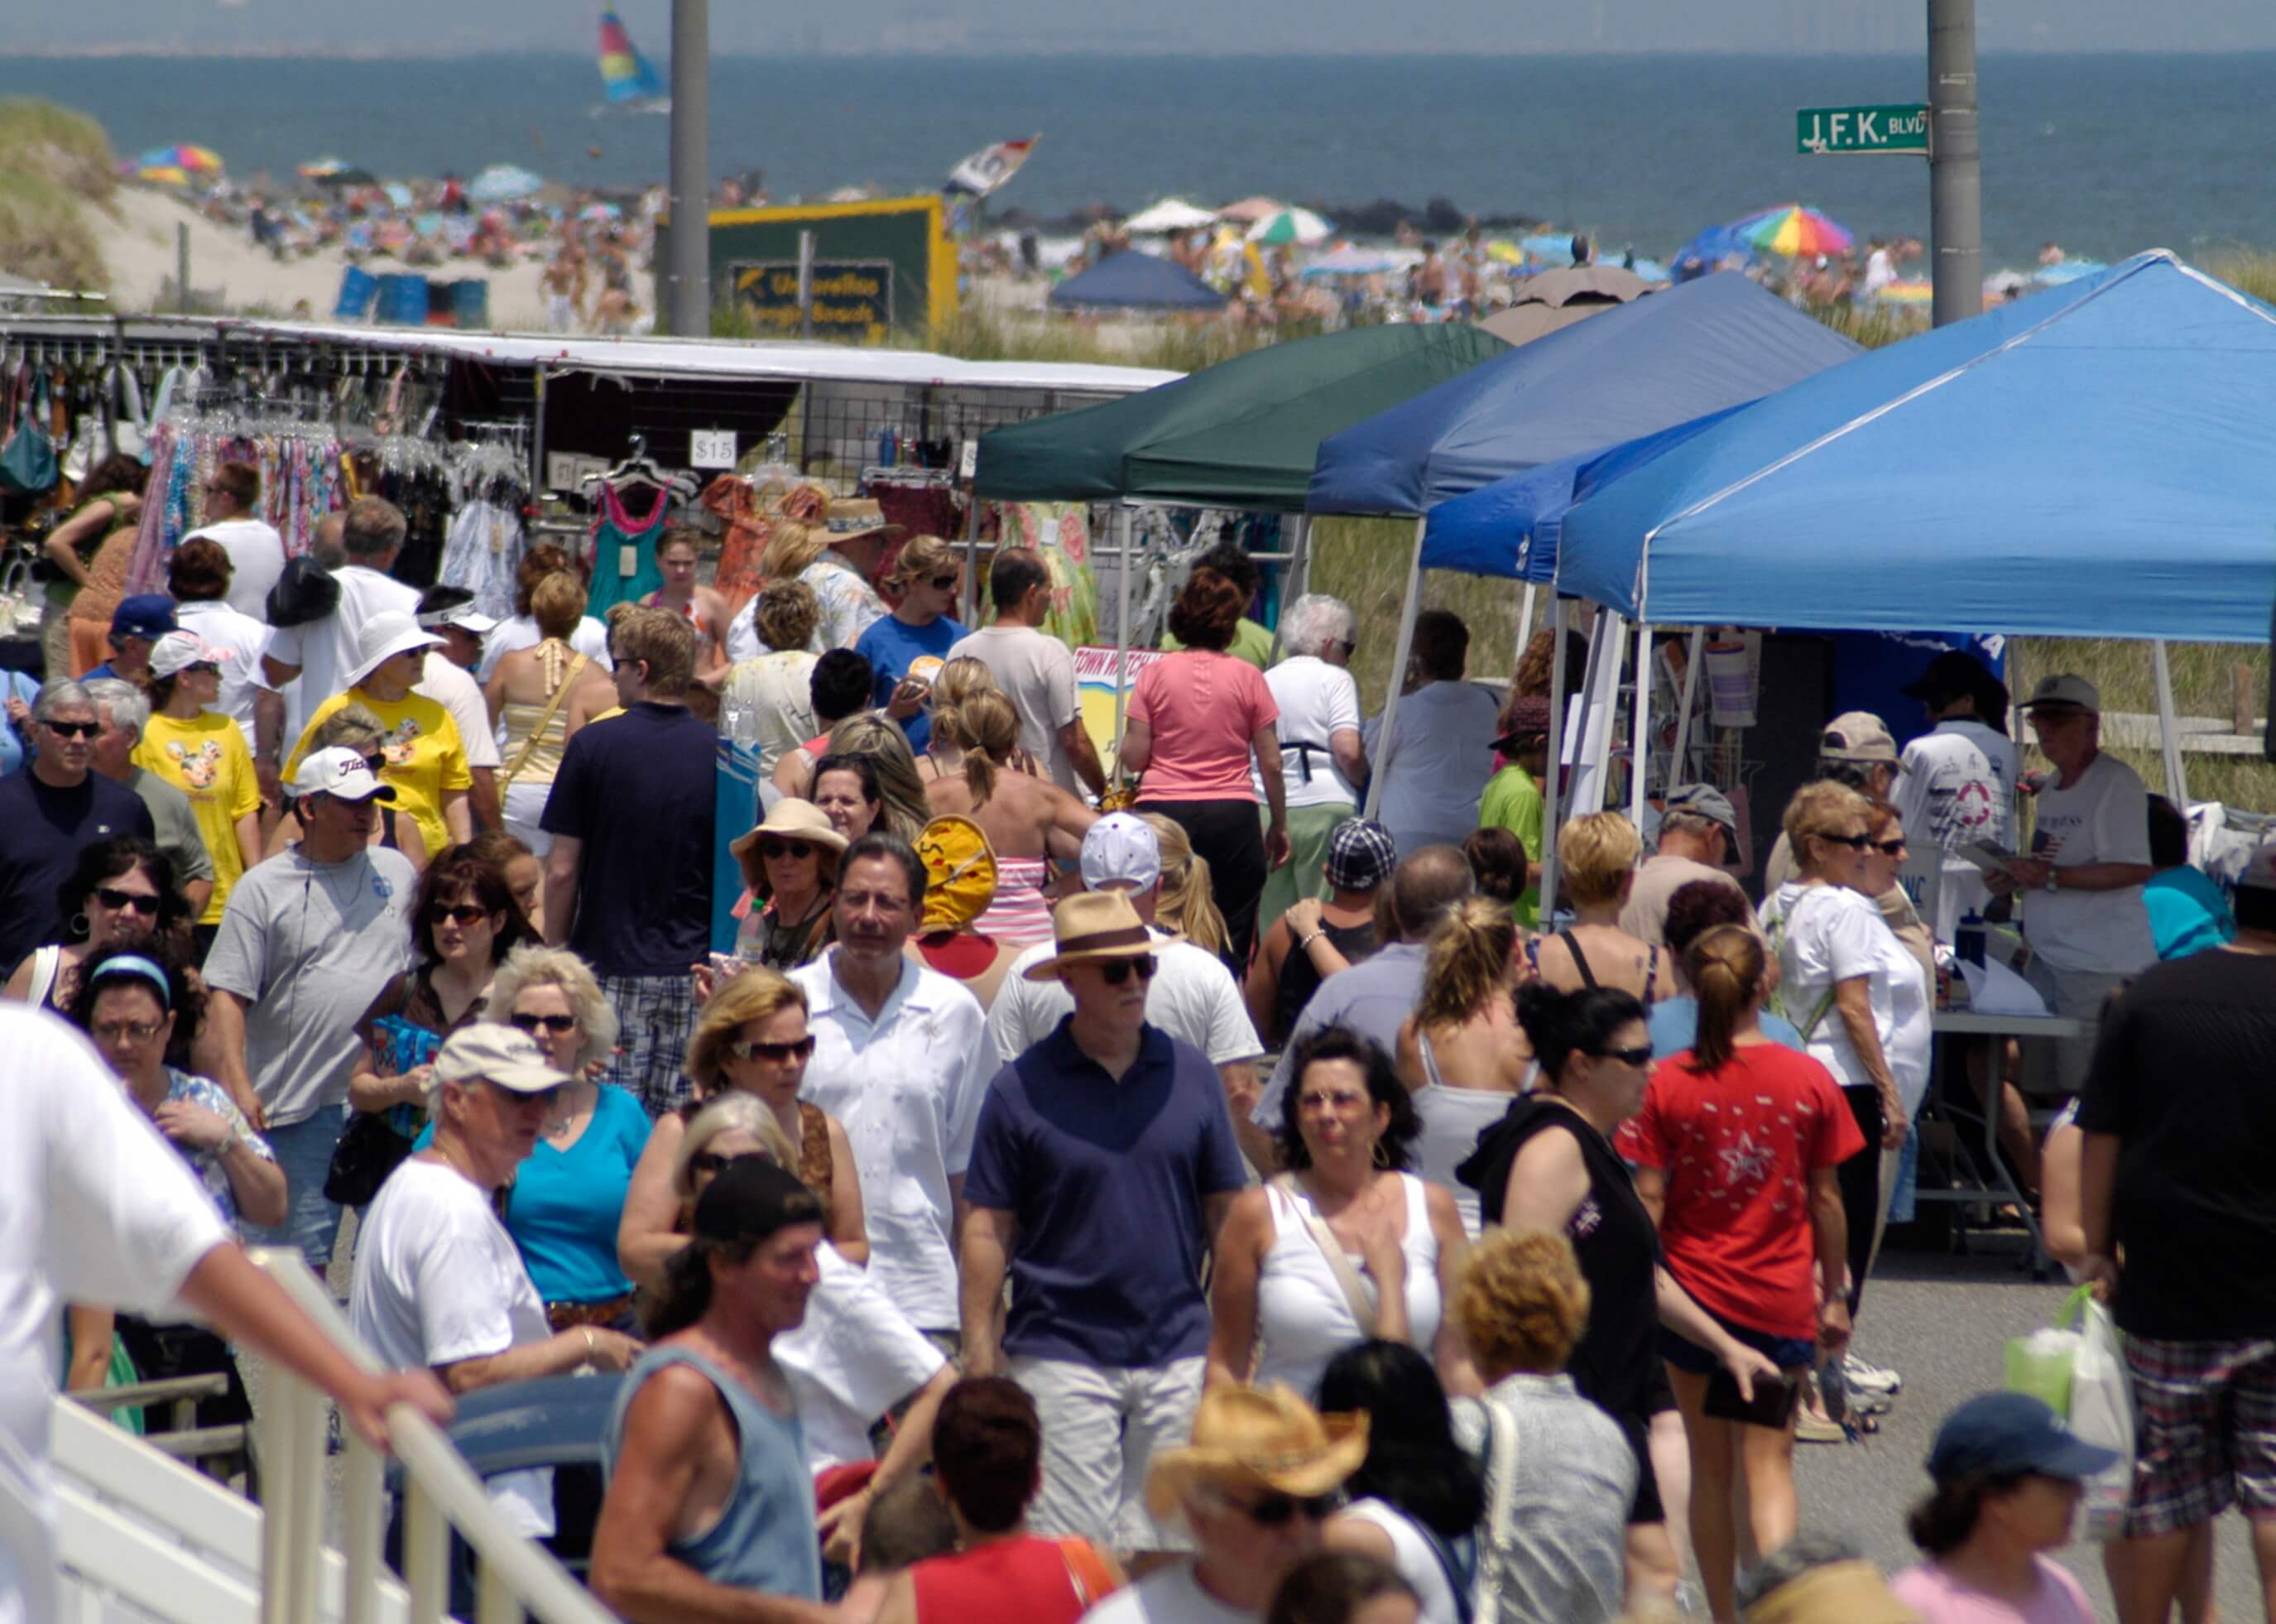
<point x="1202" y="709"/>
<point x="1939" y="1598"/>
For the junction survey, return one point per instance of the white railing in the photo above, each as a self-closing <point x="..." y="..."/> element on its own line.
<point x="514" y="1578"/>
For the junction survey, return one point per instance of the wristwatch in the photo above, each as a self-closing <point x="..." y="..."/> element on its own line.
<point x="2052" y="872"/>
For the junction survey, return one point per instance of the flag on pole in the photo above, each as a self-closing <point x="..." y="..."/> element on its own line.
<point x="991" y="167"/>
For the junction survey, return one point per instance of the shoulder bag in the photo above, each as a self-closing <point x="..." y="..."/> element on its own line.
<point x="1364" y="1311"/>
<point x="28" y="461"/>
<point x="552" y="708"/>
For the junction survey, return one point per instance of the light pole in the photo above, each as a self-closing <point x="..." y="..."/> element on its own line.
<point x="687" y="271"/>
<point x="1955" y="172"/>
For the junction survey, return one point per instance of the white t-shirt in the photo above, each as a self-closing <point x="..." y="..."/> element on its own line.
<point x="242" y="640"/>
<point x="1958" y="785"/>
<point x="326" y="650"/>
<point x="95" y="1207"/>
<point x="2104" y="817"/>
<point x="454" y="688"/>
<point x="1316" y="700"/>
<point x="1436" y="765"/>
<point x="591" y="639"/>
<point x="852" y="1359"/>
<point x="438" y="1280"/>
<point x="1166" y="1596"/>
<point x="1911" y="1033"/>
<point x="1037" y="672"/>
<point x="1832" y="934"/>
<point x="1412" y="1556"/>
<point x="1192" y="997"/>
<point x="257" y="559"/>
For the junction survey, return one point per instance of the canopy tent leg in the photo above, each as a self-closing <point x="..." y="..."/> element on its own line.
<point x="1123" y="527"/>
<point x="1677" y="763"/>
<point x="2169" y="737"/>
<point x="1524" y="624"/>
<point x="1299" y="567"/>
<point x="972" y="562"/>
<point x="1379" y="769"/>
<point x="1599" y="687"/>
<point x="1551" y="791"/>
<point x="1640" y="770"/>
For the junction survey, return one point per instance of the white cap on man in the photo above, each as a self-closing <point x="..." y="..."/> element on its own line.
<point x="341" y="773"/>
<point x="1121" y="849"/>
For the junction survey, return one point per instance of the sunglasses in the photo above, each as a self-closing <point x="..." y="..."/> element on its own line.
<point x="751" y="1049"/>
<point x="135" y="900"/>
<point x="771" y="849"/>
<point x="1274" y="1510"/>
<point x="943" y="583"/>
<point x="1889" y="848"/>
<point x="713" y="1163"/>
<point x="465" y="913"/>
<point x="1638" y="1055"/>
<point x="1855" y="843"/>
<point x="1118" y="971"/>
<point x="375" y="761"/>
<point x="73" y="730"/>
<point x="552" y="1023"/>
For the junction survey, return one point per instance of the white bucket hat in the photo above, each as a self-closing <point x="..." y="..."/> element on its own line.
<point x="388" y="633"/>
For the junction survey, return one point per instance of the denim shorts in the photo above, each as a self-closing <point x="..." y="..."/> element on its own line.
<point x="1786" y="1353"/>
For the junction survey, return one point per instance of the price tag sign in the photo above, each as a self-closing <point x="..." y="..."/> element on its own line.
<point x="967" y="462"/>
<point x="711" y="448"/>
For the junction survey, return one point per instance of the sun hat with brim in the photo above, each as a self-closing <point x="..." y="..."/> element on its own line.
<point x="386" y="634"/>
<point x="177" y="651"/>
<point x="1258" y="1440"/>
<point x="959" y="873"/>
<point x="790" y="819"/>
<point x="341" y="773"/>
<point x="1999" y="1433"/>
<point x="485" y="1051"/>
<point x="1091" y="926"/>
<point x="855" y="520"/>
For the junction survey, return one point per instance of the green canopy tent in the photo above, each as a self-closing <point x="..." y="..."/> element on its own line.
<point x="1244" y="434"/>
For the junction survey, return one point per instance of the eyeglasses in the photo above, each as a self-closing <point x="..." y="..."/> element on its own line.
<point x="1638" y="1055"/>
<point x="1118" y="971"/>
<point x="117" y="899"/>
<point x="464" y="913"/>
<point x="713" y="1163"/>
<point x="800" y="849"/>
<point x="1273" y="1510"/>
<point x="552" y="1023"/>
<point x="1889" y="848"/>
<point x="73" y="730"/>
<point x="751" y="1049"/>
<point x="127" y="1031"/>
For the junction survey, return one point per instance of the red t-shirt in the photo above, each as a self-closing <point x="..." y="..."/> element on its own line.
<point x="1737" y="1149"/>
<point x="1030" y="1579"/>
<point x="1204" y="708"/>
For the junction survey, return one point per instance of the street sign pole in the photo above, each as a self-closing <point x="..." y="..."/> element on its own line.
<point x="1956" y="178"/>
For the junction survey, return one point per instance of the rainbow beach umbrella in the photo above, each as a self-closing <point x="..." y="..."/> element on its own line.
<point x="164" y="175"/>
<point x="194" y="160"/>
<point x="1794" y="231"/>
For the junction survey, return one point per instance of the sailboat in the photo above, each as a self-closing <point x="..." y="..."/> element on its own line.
<point x="627" y="78"/>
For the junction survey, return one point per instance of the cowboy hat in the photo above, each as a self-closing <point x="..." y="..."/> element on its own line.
<point x="789" y="820"/>
<point x="387" y="634"/>
<point x="1092" y="925"/>
<point x="1257" y="1438"/>
<point x="857" y="520"/>
<point x="959" y="873"/>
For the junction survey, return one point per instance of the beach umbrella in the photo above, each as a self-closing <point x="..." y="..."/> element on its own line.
<point x="1251" y="209"/>
<point x="164" y="175"/>
<point x="195" y="160"/>
<point x="594" y="214"/>
<point x="502" y="183"/>
<point x="1794" y="231"/>
<point x="1351" y="261"/>
<point x="1290" y="226"/>
<point x="1914" y="290"/>
<point x="1172" y="214"/>
<point x="397" y="193"/>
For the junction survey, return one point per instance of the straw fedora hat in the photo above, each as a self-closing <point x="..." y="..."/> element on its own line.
<point x="856" y="519"/>
<point x="1257" y="1438"/>
<point x="789" y="820"/>
<point x="1091" y="925"/>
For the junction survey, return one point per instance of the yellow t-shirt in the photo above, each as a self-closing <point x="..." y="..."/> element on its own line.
<point x="206" y="759"/>
<point x="426" y="758"/>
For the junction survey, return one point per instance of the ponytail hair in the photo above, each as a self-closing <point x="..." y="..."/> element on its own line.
<point x="1470" y="954"/>
<point x="1560" y="1025"/>
<point x="1725" y="965"/>
<point x="986" y="728"/>
<point x="1188" y="902"/>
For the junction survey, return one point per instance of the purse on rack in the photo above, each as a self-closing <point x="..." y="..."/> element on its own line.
<point x="28" y="461"/>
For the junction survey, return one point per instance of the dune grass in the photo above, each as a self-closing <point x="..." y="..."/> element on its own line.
<point x="53" y="161"/>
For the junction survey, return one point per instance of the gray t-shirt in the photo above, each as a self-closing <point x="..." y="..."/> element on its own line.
<point x="1037" y="672"/>
<point x="307" y="947"/>
<point x="176" y="823"/>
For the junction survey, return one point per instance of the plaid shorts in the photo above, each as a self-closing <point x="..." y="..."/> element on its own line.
<point x="2204" y="1431"/>
<point x="655" y="1016"/>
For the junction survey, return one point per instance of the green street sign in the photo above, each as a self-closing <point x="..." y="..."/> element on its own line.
<point x="1898" y="127"/>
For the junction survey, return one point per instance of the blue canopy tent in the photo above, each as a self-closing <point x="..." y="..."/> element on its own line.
<point x="2098" y="460"/>
<point x="1134" y="281"/>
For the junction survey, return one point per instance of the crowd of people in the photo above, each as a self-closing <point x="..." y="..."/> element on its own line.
<point x="951" y="1238"/>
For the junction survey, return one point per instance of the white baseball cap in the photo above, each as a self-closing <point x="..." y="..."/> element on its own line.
<point x="177" y="651"/>
<point x="1120" y="850"/>
<point x="485" y="1051"/>
<point x="341" y="773"/>
<point x="465" y="616"/>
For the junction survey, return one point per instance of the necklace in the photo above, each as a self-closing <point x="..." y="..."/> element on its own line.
<point x="322" y="871"/>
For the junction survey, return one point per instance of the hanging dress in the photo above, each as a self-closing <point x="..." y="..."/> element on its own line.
<point x="483" y="553"/>
<point x="617" y="530"/>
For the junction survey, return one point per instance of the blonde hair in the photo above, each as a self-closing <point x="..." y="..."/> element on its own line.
<point x="1470" y="952"/>
<point x="1521" y="1302"/>
<point x="731" y="1110"/>
<point x="873" y="734"/>
<point x="558" y="604"/>
<point x="1596" y="853"/>
<point x="1188" y="902"/>
<point x="1816" y="809"/>
<point x="1724" y="965"/>
<point x="664" y="639"/>
<point x="354" y="724"/>
<point x="791" y="550"/>
<point x="986" y="728"/>
<point x="756" y="994"/>
<point x="532" y="965"/>
<point x="959" y="680"/>
<point x="920" y="556"/>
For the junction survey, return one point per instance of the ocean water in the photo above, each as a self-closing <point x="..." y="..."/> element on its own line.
<point x="2105" y="153"/>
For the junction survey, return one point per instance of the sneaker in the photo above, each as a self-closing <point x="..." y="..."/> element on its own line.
<point x="1858" y="1373"/>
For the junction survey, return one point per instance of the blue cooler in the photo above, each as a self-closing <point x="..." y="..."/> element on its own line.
<point x="403" y="300"/>
<point x="470" y="302"/>
<point x="358" y="288"/>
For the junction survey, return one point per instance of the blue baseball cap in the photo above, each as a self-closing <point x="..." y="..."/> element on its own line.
<point x="2000" y="1433"/>
<point x="149" y="615"/>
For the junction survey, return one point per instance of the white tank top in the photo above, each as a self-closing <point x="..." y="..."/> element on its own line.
<point x="1452" y="1119"/>
<point x="1301" y="1311"/>
<point x="1412" y="1556"/>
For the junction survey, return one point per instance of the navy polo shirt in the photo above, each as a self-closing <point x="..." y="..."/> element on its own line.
<point x="1107" y="1180"/>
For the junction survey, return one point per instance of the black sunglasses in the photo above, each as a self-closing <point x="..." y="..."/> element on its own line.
<point x="1638" y="1055"/>
<point x="1118" y="971"/>
<point x="1889" y="848"/>
<point x="712" y="1162"/>
<point x="1275" y="1509"/>
<point x="552" y="1023"/>
<point x="465" y="913"/>
<point x="772" y="849"/>
<point x="943" y="583"/>
<point x="374" y="761"/>
<point x="73" y="730"/>
<point x="751" y="1049"/>
<point x="1855" y="843"/>
<point x="134" y="899"/>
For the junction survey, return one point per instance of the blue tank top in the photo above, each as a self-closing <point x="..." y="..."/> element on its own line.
<point x="619" y="527"/>
<point x="765" y="1539"/>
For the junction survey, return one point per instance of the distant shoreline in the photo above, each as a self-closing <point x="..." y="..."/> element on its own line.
<point x="310" y="51"/>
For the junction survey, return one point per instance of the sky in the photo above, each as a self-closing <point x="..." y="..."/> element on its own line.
<point x="1020" y="27"/>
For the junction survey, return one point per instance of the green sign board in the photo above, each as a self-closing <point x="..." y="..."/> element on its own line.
<point x="1900" y="127"/>
<point x="852" y="300"/>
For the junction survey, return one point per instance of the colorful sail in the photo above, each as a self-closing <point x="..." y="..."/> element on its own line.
<point x="625" y="74"/>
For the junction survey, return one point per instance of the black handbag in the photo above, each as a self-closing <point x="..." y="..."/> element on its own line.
<point x="368" y="1152"/>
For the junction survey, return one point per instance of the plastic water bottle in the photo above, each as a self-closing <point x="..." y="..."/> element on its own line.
<point x="889" y="447"/>
<point x="1967" y="938"/>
